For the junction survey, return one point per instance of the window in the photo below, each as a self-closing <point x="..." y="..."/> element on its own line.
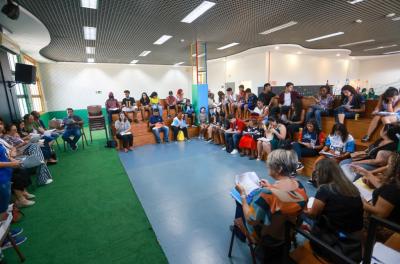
<point x="22" y="96"/>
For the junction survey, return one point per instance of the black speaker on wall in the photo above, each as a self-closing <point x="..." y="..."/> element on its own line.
<point x="25" y="73"/>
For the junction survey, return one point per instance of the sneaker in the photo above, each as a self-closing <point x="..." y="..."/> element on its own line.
<point x="258" y="159"/>
<point x="25" y="203"/>
<point x="74" y="148"/>
<point x="30" y="196"/>
<point x="48" y="181"/>
<point x="16" y="231"/>
<point x="300" y="166"/>
<point x="210" y="140"/>
<point x="365" y="138"/>
<point x="252" y="158"/>
<point x="18" y="241"/>
<point x="224" y="148"/>
<point x="234" y="152"/>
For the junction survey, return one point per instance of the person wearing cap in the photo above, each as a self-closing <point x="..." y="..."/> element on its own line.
<point x="112" y="106"/>
<point x="171" y="103"/>
<point x="129" y="105"/>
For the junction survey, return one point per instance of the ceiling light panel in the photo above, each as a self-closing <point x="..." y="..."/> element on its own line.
<point x="396" y="18"/>
<point x="198" y="11"/>
<point x="228" y="46"/>
<point x="325" y="36"/>
<point x="90" y="60"/>
<point x="382" y="47"/>
<point x="89" y="33"/>
<point x="92" y="4"/>
<point x="144" y="53"/>
<point x="134" y="61"/>
<point x="90" y="50"/>
<point x="353" y="2"/>
<point x="162" y="39"/>
<point x="357" y="43"/>
<point x="269" y="31"/>
<point x="391" y="52"/>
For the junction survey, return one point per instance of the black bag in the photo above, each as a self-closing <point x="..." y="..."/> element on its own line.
<point x="111" y="144"/>
<point x="348" y="244"/>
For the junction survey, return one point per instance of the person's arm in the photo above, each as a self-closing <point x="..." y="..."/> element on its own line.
<point x="382" y="207"/>
<point x="359" y="110"/>
<point x="10" y="164"/>
<point x="282" y="132"/>
<point x="380" y="159"/>
<point x="302" y="116"/>
<point x="316" y="209"/>
<point x="368" y="175"/>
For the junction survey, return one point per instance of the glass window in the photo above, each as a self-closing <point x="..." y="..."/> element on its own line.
<point x="12" y="59"/>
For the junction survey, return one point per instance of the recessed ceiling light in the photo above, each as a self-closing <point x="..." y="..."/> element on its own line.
<point x="276" y="47"/>
<point x="396" y="18"/>
<point x="182" y="40"/>
<point x="144" y="53"/>
<point x="353" y="2"/>
<point x="391" y="15"/>
<point x="325" y="36"/>
<point x="89" y="33"/>
<point x="179" y="63"/>
<point x="358" y="21"/>
<point x="357" y="43"/>
<point x="381" y="47"/>
<point x="162" y="39"/>
<point x="89" y="4"/>
<point x="198" y="11"/>
<point x="90" y="50"/>
<point x="392" y="52"/>
<point x="269" y="31"/>
<point x="134" y="61"/>
<point x="90" y="60"/>
<point x="228" y="46"/>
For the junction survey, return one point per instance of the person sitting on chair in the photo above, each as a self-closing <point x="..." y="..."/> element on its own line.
<point x="129" y="105"/>
<point x="112" y="106"/>
<point x="179" y="124"/>
<point x="72" y="124"/>
<point x="171" y="103"/>
<point x="266" y="209"/>
<point x="157" y="125"/>
<point x="123" y="131"/>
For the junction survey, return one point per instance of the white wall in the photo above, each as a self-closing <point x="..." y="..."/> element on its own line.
<point x="75" y="84"/>
<point x="380" y="73"/>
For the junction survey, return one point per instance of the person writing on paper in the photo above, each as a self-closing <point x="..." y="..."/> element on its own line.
<point x="129" y="105"/>
<point x="267" y="209"/>
<point x="337" y="210"/>
<point x="124" y="132"/>
<point x="179" y="124"/>
<point x="273" y="135"/>
<point x="156" y="124"/>
<point x="387" y="102"/>
<point x="322" y="107"/>
<point x="72" y="128"/>
<point x="386" y="196"/>
<point x="352" y="103"/>
<point x="233" y="134"/>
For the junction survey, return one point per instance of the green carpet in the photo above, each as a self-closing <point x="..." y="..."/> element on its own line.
<point x="90" y="214"/>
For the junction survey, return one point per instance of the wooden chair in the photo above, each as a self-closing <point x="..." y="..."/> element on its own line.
<point x="6" y="226"/>
<point x="96" y="120"/>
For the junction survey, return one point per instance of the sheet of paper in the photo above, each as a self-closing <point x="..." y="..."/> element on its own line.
<point x="249" y="180"/>
<point x="364" y="189"/>
<point x="328" y="154"/>
<point x="310" y="202"/>
<point x="384" y="254"/>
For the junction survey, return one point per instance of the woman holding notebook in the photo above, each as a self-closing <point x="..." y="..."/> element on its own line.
<point x="123" y="131"/>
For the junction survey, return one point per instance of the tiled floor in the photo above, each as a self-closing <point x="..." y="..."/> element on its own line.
<point x="184" y="189"/>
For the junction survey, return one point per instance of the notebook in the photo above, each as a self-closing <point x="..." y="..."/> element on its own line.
<point x="328" y="154"/>
<point x="365" y="190"/>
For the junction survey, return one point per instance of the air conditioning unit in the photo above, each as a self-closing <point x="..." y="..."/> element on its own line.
<point x="8" y="44"/>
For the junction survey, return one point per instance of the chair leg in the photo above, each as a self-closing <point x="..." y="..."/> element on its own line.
<point x="65" y="149"/>
<point x="20" y="255"/>
<point x="91" y="139"/>
<point x="231" y="244"/>
<point x="253" y="254"/>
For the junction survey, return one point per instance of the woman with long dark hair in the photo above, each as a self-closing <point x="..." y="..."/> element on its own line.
<point x="144" y="105"/>
<point x="124" y="132"/>
<point x="296" y="118"/>
<point x="352" y="104"/>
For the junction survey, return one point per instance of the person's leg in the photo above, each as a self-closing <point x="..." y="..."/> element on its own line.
<point x="166" y="134"/>
<point x="267" y="148"/>
<point x="308" y="152"/>
<point x="236" y="139"/>
<point x="66" y="136"/>
<point x="245" y="110"/>
<point x="175" y="132"/>
<point x="297" y="148"/>
<point x="77" y="135"/>
<point x="156" y="133"/>
<point x="125" y="141"/>
<point x="372" y="126"/>
<point x="317" y="114"/>
<point x="259" y="149"/>
<point x="310" y="113"/>
<point x="142" y="112"/>
<point x="185" y="133"/>
<point x="210" y="130"/>
<point x="120" y="137"/>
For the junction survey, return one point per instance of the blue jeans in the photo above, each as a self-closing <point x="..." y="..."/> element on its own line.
<point x="159" y="107"/>
<point x="352" y="176"/>
<point x="317" y="111"/>
<point x="5" y="195"/>
<point x="72" y="132"/>
<point x="343" y="110"/>
<point x="156" y="132"/>
<point x="303" y="151"/>
<point x="232" y="139"/>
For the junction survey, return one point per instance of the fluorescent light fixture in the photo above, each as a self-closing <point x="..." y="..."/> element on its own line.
<point x="325" y="36"/>
<point x="198" y="11"/>
<point x="201" y="55"/>
<point x="89" y="33"/>
<point x="357" y="43"/>
<point x="353" y="2"/>
<point x="134" y="61"/>
<point x="89" y="4"/>
<point x="144" y="53"/>
<point x="162" y="39"/>
<point x="391" y="15"/>
<point x="90" y="50"/>
<point x="228" y="46"/>
<point x="391" y="52"/>
<point x="90" y="60"/>
<point x="396" y="18"/>
<point x="382" y="47"/>
<point x="269" y="31"/>
<point x="179" y="63"/>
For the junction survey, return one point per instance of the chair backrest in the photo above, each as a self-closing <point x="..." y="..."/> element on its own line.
<point x="94" y="110"/>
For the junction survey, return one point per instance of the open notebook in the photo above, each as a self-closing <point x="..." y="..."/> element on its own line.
<point x="364" y="189"/>
<point x="250" y="182"/>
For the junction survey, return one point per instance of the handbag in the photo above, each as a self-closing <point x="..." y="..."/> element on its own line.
<point x="348" y="244"/>
<point x="180" y="136"/>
